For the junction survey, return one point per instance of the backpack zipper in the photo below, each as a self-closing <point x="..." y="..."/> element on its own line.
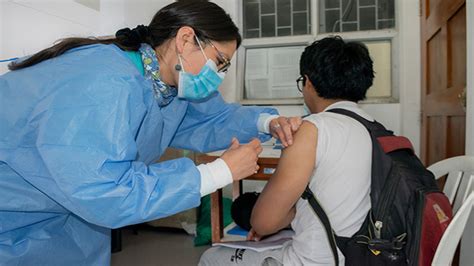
<point x="378" y="229"/>
<point x="387" y="200"/>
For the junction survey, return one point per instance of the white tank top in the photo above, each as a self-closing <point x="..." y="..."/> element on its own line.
<point x="340" y="182"/>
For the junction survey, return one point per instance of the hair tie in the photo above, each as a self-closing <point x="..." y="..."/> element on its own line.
<point x="143" y="32"/>
<point x="133" y="37"/>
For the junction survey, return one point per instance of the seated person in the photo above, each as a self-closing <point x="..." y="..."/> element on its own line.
<point x="330" y="152"/>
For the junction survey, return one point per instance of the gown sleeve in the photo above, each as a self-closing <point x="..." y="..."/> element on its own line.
<point x="85" y="157"/>
<point x="211" y="125"/>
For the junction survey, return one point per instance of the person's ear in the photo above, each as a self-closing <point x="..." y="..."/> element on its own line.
<point x="184" y="36"/>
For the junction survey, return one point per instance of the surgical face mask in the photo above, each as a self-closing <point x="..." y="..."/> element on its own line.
<point x="202" y="85"/>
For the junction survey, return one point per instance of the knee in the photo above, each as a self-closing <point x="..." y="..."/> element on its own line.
<point x="208" y="257"/>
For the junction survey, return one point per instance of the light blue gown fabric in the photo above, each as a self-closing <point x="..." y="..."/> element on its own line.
<point x="78" y="135"/>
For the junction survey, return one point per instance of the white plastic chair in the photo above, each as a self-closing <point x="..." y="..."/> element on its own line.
<point x="459" y="184"/>
<point x="451" y="237"/>
<point x="460" y="180"/>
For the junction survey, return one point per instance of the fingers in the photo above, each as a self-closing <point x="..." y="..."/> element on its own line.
<point x="256" y="148"/>
<point x="257" y="168"/>
<point x="288" y="133"/>
<point x="255" y="143"/>
<point x="253" y="236"/>
<point x="277" y="131"/>
<point x="234" y="144"/>
<point x="259" y="150"/>
<point x="242" y="159"/>
<point x="295" y="123"/>
<point x="281" y="129"/>
<point x="250" y="235"/>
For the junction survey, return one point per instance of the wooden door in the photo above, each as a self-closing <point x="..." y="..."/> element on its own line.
<point x="443" y="55"/>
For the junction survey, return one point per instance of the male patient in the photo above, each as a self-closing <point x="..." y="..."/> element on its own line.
<point x="331" y="152"/>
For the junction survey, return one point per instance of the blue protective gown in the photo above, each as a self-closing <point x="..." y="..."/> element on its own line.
<point x="78" y="135"/>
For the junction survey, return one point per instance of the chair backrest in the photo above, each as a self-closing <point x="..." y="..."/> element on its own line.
<point x="459" y="185"/>
<point x="459" y="182"/>
<point x="451" y="237"/>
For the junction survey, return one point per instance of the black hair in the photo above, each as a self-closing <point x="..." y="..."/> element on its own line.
<point x="209" y="21"/>
<point x="338" y="69"/>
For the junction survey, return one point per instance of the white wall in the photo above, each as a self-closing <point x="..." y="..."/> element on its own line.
<point x="3" y="66"/>
<point x="467" y="244"/>
<point x="29" y="26"/>
<point x="470" y="78"/>
<point x="111" y="17"/>
<point x="142" y="11"/>
<point x="229" y="86"/>
<point x="409" y="71"/>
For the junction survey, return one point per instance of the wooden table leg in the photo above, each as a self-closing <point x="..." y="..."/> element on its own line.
<point x="217" y="221"/>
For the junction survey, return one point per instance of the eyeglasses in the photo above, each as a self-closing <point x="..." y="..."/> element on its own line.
<point x="300" y="82"/>
<point x="223" y="62"/>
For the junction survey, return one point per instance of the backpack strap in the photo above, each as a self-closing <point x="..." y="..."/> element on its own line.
<point x="372" y="126"/>
<point x="388" y="142"/>
<point x="381" y="162"/>
<point x="321" y="214"/>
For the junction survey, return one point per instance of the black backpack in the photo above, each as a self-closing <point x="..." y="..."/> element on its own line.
<point x="408" y="215"/>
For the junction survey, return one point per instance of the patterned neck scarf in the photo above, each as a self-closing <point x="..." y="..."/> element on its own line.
<point x="164" y="94"/>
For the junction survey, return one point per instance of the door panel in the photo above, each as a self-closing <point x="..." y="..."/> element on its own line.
<point x="436" y="63"/>
<point x="457" y="49"/>
<point x="437" y="131"/>
<point x="443" y="30"/>
<point x="456" y="136"/>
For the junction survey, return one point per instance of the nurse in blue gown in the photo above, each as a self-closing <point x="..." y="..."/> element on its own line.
<point x="82" y="122"/>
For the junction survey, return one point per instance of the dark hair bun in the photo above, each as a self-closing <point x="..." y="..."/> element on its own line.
<point x="133" y="37"/>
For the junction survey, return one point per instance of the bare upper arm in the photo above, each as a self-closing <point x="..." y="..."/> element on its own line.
<point x="288" y="182"/>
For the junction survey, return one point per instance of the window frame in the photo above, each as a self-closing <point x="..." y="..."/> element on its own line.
<point x="391" y="35"/>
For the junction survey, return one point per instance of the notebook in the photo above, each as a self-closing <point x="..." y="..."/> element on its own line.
<point x="272" y="242"/>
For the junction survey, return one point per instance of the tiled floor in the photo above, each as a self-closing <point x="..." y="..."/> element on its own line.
<point x="157" y="247"/>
